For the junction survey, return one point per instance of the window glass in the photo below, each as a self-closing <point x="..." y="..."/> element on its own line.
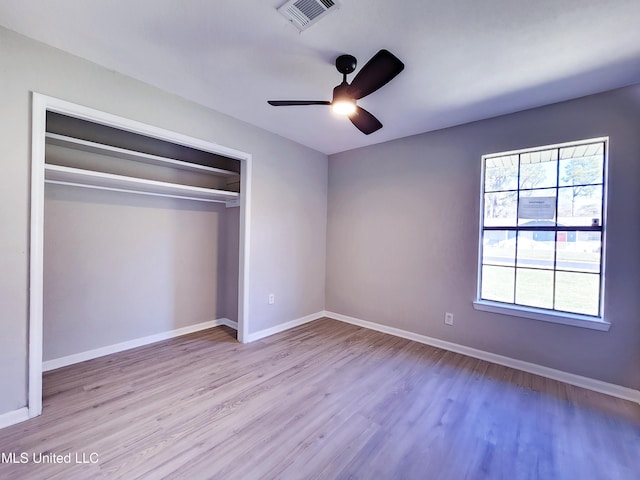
<point x="500" y="208"/>
<point x="497" y="283"/>
<point x="499" y="248"/>
<point x="580" y="205"/>
<point x="539" y="169"/>
<point x="501" y="173"/>
<point x="577" y="292"/>
<point x="578" y="251"/>
<point x="534" y="288"/>
<point x="537" y="208"/>
<point x="536" y="249"/>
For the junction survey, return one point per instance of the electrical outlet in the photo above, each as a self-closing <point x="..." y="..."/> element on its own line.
<point x="272" y="299"/>
<point x="448" y="318"/>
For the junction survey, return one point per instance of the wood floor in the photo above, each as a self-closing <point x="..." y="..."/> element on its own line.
<point x="326" y="400"/>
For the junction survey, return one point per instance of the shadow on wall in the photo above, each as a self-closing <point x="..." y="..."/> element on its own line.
<point x="620" y="72"/>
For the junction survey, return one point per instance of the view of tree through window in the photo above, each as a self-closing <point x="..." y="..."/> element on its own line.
<point x="542" y="227"/>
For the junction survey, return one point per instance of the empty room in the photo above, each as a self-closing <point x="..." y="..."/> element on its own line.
<point x="320" y="239"/>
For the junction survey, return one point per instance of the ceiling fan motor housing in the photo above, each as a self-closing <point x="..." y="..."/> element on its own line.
<point x="346" y="64"/>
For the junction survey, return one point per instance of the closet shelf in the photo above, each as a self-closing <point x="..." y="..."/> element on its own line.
<point x="99" y="148"/>
<point x="106" y="181"/>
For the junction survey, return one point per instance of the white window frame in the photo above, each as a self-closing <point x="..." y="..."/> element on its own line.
<point x="555" y="316"/>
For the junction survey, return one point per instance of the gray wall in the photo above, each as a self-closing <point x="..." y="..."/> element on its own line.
<point x="402" y="242"/>
<point x="289" y="196"/>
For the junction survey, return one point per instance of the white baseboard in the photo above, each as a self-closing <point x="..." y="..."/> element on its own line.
<point x="566" y="377"/>
<point x="138" y="342"/>
<point x="16" y="416"/>
<point x="252" y="337"/>
<point x="570" y="378"/>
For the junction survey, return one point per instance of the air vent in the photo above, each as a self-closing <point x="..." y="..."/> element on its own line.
<point x="304" y="13"/>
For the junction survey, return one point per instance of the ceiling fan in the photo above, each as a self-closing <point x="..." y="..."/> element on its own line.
<point x="376" y="73"/>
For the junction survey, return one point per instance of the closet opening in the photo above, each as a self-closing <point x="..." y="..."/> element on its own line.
<point x="138" y="234"/>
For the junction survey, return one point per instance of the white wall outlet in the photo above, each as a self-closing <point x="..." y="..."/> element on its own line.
<point x="272" y="299"/>
<point x="448" y="318"/>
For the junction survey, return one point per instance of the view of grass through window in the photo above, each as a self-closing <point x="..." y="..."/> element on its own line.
<point x="542" y="227"/>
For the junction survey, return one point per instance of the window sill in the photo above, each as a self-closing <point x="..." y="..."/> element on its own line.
<point x="573" y="320"/>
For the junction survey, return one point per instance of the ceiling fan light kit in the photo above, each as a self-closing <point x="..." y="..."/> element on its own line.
<point x="377" y="72"/>
<point x="344" y="107"/>
<point x="343" y="103"/>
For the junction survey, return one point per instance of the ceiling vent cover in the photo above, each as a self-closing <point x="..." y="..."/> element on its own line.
<point x="304" y="13"/>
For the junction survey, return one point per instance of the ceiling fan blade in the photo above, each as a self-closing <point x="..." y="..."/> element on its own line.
<point x="364" y="121"/>
<point x="376" y="73"/>
<point x="291" y="103"/>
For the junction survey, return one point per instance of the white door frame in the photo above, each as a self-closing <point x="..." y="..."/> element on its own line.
<point x="40" y="106"/>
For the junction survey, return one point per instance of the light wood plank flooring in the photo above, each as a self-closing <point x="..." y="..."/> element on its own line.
<point x="325" y="400"/>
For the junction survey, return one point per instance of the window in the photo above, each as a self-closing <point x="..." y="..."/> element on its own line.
<point x="542" y="229"/>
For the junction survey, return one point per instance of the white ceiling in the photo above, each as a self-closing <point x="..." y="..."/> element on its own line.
<point x="465" y="60"/>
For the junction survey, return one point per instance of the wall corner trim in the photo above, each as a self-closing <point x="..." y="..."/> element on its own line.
<point x="618" y="391"/>
<point x="13" y="417"/>
<point x="137" y="342"/>
<point x="267" y="332"/>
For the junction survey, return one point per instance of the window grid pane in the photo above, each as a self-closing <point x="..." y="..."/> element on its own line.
<point x="577" y="292"/>
<point x="534" y="288"/>
<point x="498" y="283"/>
<point x="555" y="239"/>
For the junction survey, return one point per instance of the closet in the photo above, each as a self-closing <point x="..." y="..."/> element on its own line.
<point x="141" y="238"/>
